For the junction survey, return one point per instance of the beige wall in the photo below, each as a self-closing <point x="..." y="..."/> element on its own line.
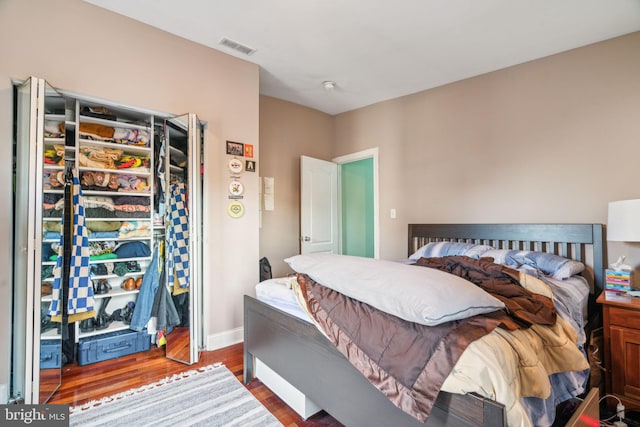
<point x="287" y="131"/>
<point x="552" y="140"/>
<point x="87" y="50"/>
<point x="381" y="125"/>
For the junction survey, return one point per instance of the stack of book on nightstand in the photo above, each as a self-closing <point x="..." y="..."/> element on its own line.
<point x="618" y="281"/>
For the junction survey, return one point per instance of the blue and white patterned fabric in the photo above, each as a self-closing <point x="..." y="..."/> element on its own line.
<point x="533" y="261"/>
<point x="442" y="249"/>
<point x="80" y="302"/>
<point x="178" y="237"/>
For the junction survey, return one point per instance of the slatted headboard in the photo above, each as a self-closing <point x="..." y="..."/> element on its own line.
<point x="581" y="242"/>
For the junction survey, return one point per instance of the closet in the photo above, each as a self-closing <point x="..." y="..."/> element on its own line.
<point x="107" y="220"/>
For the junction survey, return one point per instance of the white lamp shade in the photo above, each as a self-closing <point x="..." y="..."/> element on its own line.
<point x="623" y="224"/>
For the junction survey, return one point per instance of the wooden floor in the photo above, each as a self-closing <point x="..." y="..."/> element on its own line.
<point x="85" y="383"/>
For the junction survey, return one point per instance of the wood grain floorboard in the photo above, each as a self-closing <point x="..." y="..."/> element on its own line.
<point x="81" y="384"/>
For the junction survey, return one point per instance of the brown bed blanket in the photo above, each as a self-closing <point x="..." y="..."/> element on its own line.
<point x="524" y="308"/>
<point x="409" y="362"/>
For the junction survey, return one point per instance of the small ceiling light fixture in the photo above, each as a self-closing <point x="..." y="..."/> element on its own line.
<point x="329" y="84"/>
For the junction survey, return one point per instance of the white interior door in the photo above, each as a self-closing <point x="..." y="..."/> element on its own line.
<point x="318" y="206"/>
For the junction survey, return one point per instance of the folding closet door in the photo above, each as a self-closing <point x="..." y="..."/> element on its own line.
<point x="36" y="352"/>
<point x="182" y="185"/>
<point x="96" y="164"/>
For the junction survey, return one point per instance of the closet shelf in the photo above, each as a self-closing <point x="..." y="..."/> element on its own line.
<point x="104" y="261"/>
<point x="113" y="123"/>
<point x="114" y="326"/>
<point x="132" y="171"/>
<point x="51" y="334"/>
<point x="49" y="140"/>
<point x="115" y="193"/>
<point x="54" y="117"/>
<point x="145" y="219"/>
<point x="116" y="291"/>
<point x="100" y="276"/>
<point x="112" y="239"/>
<point x="120" y="239"/>
<point x="128" y="148"/>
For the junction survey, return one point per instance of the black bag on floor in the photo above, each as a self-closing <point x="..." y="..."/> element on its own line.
<point x="265" y="269"/>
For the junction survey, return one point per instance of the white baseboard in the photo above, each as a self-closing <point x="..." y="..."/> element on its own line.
<point x="225" y="339"/>
<point x="4" y="397"/>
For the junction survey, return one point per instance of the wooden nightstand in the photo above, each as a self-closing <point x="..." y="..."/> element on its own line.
<point x="621" y="321"/>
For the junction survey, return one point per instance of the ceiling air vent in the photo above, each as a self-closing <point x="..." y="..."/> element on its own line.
<point x="236" y="46"/>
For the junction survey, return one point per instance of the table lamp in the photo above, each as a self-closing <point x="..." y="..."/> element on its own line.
<point x="623" y="225"/>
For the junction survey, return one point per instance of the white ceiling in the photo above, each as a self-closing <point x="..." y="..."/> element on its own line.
<point x="381" y="49"/>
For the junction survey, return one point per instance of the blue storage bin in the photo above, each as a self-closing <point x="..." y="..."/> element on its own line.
<point x="112" y="345"/>
<point x="50" y="354"/>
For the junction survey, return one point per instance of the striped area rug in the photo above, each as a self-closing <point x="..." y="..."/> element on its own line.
<point x="208" y="396"/>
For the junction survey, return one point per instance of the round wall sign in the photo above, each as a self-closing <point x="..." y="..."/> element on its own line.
<point x="236" y="188"/>
<point x="235" y="209"/>
<point x="235" y="165"/>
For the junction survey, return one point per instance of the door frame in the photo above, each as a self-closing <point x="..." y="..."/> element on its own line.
<point x="371" y="153"/>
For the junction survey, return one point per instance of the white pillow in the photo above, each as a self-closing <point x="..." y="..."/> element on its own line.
<point x="417" y="294"/>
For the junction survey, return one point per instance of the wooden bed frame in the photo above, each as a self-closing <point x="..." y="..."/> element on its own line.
<point x="302" y="356"/>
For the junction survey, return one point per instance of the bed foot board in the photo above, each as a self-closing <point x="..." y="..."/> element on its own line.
<point x="302" y="356"/>
<point x="248" y="360"/>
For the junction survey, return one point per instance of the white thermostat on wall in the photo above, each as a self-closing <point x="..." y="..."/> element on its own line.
<point x="235" y="165"/>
